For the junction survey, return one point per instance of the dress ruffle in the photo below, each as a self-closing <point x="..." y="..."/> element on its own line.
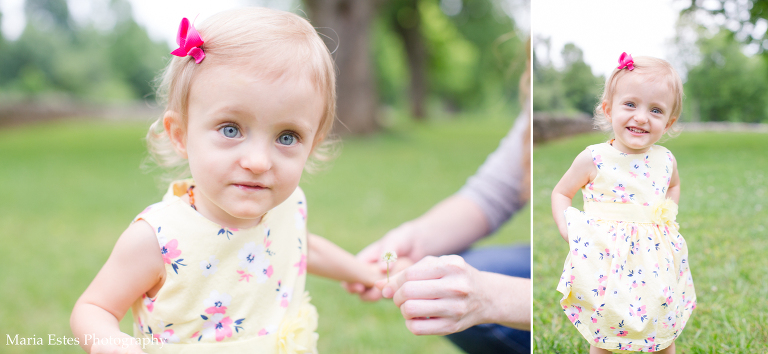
<point x="297" y="334"/>
<point x="615" y="282"/>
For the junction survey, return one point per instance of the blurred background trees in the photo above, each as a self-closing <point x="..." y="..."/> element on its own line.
<point x="572" y="89"/>
<point x="427" y="56"/>
<point x="420" y="58"/>
<point x="56" y="57"/>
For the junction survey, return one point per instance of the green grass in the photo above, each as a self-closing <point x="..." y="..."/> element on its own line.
<point x="723" y="217"/>
<point x="68" y="189"/>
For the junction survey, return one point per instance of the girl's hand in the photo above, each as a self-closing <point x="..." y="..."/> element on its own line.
<point x="401" y="240"/>
<point x="438" y="295"/>
<point x="372" y="293"/>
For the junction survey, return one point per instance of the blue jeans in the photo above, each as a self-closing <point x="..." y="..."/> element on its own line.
<point x="493" y="338"/>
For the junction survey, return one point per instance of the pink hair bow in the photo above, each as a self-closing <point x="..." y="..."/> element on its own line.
<point x="625" y="61"/>
<point x="189" y="42"/>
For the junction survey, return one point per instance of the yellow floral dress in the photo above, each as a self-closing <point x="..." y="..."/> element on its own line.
<point x="626" y="284"/>
<point x="228" y="290"/>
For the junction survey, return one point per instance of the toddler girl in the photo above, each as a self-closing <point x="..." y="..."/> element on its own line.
<point x="219" y="265"/>
<point x="626" y="283"/>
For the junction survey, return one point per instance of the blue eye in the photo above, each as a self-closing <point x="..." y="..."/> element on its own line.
<point x="287" y="139"/>
<point x="656" y="110"/>
<point x="630" y="104"/>
<point x="230" y="131"/>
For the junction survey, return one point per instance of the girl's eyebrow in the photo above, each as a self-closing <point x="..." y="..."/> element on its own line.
<point x="226" y="109"/>
<point x="298" y="124"/>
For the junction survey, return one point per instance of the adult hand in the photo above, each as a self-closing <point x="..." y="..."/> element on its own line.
<point x="439" y="295"/>
<point x="402" y="240"/>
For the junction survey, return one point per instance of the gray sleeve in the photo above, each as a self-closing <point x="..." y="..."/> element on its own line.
<point x="496" y="186"/>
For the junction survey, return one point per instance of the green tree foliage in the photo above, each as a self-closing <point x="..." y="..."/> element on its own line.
<point x="52" y="14"/>
<point x="54" y="55"/>
<point x="548" y="91"/>
<point x="572" y="89"/>
<point x="474" y="58"/>
<point x="726" y="85"/>
<point x="740" y="16"/>
<point x="582" y="89"/>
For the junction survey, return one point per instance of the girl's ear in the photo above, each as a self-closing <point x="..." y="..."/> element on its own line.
<point x="607" y="110"/>
<point x="671" y="121"/>
<point x="176" y="133"/>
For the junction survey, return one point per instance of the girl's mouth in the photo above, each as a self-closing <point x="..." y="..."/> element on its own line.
<point x="250" y="187"/>
<point x="636" y="131"/>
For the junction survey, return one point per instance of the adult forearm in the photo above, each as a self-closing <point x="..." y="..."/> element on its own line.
<point x="509" y="300"/>
<point x="449" y="227"/>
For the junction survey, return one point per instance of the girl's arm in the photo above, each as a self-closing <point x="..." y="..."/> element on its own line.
<point x="582" y="171"/>
<point x="673" y="191"/>
<point x="134" y="268"/>
<point x="331" y="261"/>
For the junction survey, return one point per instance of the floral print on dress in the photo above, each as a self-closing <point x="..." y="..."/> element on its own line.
<point x="301" y="219"/>
<point x="284" y="295"/>
<point x="302" y="264"/>
<point x="267" y="330"/>
<point x="638" y="169"/>
<point x="217" y="325"/>
<point x="170" y="252"/>
<point x="217" y="303"/>
<point x="622" y="195"/>
<point x="598" y="161"/>
<point x="573" y="314"/>
<point x="254" y="263"/>
<point x="227" y="231"/>
<point x="209" y="266"/>
<point x="168" y="337"/>
<point x="240" y="273"/>
<point x="629" y="268"/>
<point x="149" y="302"/>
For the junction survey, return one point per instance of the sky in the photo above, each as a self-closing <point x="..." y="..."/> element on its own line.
<point x="603" y="29"/>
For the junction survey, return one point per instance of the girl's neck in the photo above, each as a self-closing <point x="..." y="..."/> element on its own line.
<point x="224" y="220"/>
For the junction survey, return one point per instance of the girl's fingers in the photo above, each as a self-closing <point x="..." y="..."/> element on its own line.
<point x="372" y="294"/>
<point x="371" y="253"/>
<point x="353" y="288"/>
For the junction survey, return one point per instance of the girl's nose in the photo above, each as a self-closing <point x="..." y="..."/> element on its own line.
<point x="256" y="158"/>
<point x="641" y="118"/>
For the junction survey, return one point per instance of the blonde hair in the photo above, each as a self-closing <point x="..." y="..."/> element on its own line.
<point x="275" y="42"/>
<point x="660" y="70"/>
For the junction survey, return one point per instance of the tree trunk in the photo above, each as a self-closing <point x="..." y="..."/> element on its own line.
<point x="408" y="25"/>
<point x="347" y="23"/>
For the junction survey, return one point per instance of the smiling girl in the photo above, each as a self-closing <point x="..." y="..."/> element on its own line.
<point x="626" y="284"/>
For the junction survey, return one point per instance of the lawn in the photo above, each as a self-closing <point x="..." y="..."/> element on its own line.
<point x="68" y="189"/>
<point x="723" y="217"/>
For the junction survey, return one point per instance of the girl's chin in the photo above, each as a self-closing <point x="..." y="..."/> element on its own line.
<point x="244" y="217"/>
<point x="634" y="148"/>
